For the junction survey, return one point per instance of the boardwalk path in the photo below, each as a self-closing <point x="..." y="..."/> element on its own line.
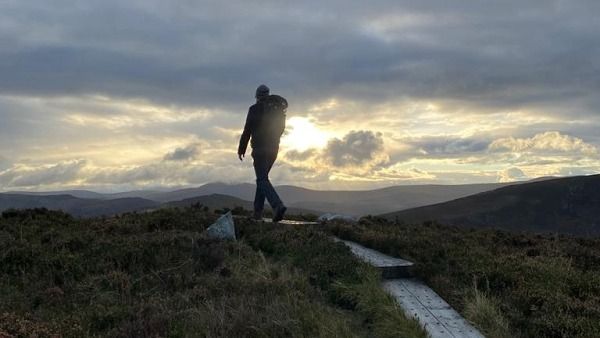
<point x="417" y="300"/>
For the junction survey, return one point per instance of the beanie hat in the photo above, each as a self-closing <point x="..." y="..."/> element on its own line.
<point x="262" y="91"/>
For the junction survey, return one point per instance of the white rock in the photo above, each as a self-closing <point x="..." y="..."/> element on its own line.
<point x="223" y="228"/>
<point x="331" y="217"/>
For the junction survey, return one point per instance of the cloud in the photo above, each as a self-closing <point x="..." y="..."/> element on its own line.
<point x="547" y="142"/>
<point x="511" y="175"/>
<point x="447" y="146"/>
<point x="456" y="90"/>
<point x="296" y="156"/>
<point x="4" y="163"/>
<point x="189" y="152"/>
<point x="356" y="148"/>
<point x="197" y="53"/>
<point x="31" y="176"/>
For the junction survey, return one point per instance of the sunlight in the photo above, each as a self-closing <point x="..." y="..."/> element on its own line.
<point x="302" y="134"/>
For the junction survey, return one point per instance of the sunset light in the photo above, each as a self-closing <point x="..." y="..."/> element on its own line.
<point x="303" y="134"/>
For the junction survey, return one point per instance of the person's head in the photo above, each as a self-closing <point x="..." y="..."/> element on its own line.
<point x="262" y="91"/>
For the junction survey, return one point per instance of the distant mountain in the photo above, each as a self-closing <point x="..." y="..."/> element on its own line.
<point x="564" y="205"/>
<point x="74" y="193"/>
<point x="80" y="207"/>
<point x="218" y="201"/>
<point x="352" y="202"/>
<point x="243" y="191"/>
<point x="213" y="201"/>
<point x="91" y="194"/>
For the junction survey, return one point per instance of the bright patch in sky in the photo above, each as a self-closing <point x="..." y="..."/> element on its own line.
<point x="302" y="134"/>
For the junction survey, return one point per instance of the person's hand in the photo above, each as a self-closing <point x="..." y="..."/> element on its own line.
<point x="241" y="157"/>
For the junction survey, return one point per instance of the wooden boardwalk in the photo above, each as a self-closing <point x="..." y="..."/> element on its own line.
<point x="389" y="266"/>
<point x="436" y="316"/>
<point x="285" y="221"/>
<point x="291" y="222"/>
<point x="417" y="300"/>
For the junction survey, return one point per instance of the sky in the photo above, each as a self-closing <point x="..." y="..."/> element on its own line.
<point x="145" y="94"/>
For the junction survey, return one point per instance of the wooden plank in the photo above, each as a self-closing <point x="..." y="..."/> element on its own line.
<point x="437" y="317"/>
<point x="413" y="308"/>
<point x="291" y="222"/>
<point x="391" y="267"/>
<point x="285" y="221"/>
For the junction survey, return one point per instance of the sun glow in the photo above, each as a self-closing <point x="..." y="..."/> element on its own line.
<point x="301" y="134"/>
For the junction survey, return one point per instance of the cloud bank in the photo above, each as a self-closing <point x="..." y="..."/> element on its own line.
<point x="149" y="93"/>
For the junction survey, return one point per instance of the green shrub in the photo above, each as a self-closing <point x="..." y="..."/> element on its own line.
<point x="155" y="275"/>
<point x="542" y="285"/>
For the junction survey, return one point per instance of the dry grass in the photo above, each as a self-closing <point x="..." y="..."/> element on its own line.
<point x="483" y="310"/>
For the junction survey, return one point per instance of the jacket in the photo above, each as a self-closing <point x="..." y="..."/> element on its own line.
<point x="265" y="124"/>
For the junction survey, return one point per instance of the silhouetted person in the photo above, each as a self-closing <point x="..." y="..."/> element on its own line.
<point x="265" y="124"/>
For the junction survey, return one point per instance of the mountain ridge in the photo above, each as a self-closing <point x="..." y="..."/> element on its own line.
<point x="563" y="205"/>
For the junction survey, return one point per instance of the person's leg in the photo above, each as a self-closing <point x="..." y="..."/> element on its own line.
<point x="261" y="170"/>
<point x="269" y="191"/>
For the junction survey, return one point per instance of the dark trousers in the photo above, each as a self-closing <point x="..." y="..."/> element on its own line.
<point x="263" y="161"/>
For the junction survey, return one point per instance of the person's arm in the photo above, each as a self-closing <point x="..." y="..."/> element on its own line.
<point x="248" y="127"/>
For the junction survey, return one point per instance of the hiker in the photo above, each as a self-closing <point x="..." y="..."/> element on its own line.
<point x="264" y="124"/>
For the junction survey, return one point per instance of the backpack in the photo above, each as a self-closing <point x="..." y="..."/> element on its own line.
<point x="275" y="110"/>
<point x="276" y="104"/>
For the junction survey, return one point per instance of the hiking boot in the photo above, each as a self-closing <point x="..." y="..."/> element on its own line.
<point x="257" y="216"/>
<point x="279" y="212"/>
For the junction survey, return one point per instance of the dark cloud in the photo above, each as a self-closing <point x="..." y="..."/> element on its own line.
<point x="189" y="152"/>
<point x="295" y="155"/>
<point x="354" y="149"/>
<point x="501" y="54"/>
<point x="448" y="146"/>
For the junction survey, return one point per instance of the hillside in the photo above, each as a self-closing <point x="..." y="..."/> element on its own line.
<point x="88" y="207"/>
<point x="156" y="275"/>
<point x="351" y="202"/>
<point x="74" y="193"/>
<point x="80" y="207"/>
<point x="212" y="201"/>
<point x="218" y="201"/>
<point x="564" y="205"/>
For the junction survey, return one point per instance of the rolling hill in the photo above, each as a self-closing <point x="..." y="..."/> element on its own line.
<point x="218" y="201"/>
<point x="80" y="207"/>
<point x="350" y="202"/>
<point x="90" y="207"/>
<point x="564" y="205"/>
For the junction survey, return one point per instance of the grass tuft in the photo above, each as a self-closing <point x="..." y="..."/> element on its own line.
<point x="483" y="310"/>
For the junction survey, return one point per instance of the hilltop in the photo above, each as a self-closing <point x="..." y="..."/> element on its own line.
<point x="563" y="205"/>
